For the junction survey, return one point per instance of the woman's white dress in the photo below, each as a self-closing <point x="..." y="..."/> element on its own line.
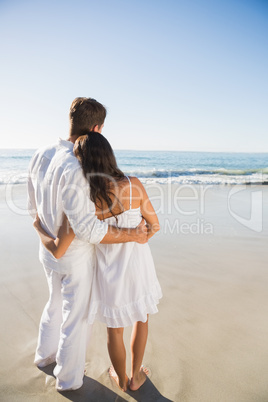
<point x="125" y="286"/>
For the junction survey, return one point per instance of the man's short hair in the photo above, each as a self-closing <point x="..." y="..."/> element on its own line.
<point x="85" y="114"/>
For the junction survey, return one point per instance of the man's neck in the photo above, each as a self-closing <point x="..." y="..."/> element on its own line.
<point x="72" y="138"/>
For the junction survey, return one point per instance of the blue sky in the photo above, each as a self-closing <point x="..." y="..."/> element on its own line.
<point x="174" y="75"/>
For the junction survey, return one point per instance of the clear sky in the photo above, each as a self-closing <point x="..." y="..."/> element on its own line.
<point x="174" y="74"/>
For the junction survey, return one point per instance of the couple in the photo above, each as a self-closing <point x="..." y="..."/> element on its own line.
<point x="94" y="223"/>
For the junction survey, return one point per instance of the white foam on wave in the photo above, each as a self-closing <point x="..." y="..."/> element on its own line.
<point x="208" y="180"/>
<point x="217" y="172"/>
<point x="15" y="177"/>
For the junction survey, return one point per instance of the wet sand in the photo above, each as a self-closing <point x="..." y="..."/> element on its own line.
<point x="209" y="340"/>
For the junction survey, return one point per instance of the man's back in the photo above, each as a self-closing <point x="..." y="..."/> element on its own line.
<point x="56" y="186"/>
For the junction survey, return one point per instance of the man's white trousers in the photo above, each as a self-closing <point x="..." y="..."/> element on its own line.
<point x="63" y="326"/>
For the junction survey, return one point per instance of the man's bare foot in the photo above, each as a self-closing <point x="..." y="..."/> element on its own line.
<point x="137" y="381"/>
<point x="121" y="384"/>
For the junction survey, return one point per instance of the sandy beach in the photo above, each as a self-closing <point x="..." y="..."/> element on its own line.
<point x="208" y="343"/>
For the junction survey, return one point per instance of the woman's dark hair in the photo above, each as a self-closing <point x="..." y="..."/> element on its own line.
<point x="98" y="162"/>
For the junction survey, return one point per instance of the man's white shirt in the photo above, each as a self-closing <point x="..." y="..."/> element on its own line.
<point x="56" y="185"/>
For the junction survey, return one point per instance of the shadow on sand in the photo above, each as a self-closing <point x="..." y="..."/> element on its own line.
<point x="94" y="391"/>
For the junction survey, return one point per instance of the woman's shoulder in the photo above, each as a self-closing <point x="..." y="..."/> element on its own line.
<point x="135" y="180"/>
<point x="137" y="190"/>
<point x="136" y="183"/>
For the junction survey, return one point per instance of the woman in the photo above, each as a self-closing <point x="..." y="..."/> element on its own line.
<point x="125" y="288"/>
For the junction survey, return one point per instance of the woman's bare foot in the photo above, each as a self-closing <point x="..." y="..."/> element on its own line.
<point x="146" y="370"/>
<point x="137" y="381"/>
<point x="121" y="384"/>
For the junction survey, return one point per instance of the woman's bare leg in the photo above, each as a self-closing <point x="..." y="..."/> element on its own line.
<point x="117" y="354"/>
<point x="138" y="343"/>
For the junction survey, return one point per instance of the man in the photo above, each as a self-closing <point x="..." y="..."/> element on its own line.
<point x="56" y="185"/>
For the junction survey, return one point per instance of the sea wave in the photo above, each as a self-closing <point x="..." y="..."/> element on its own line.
<point x="163" y="173"/>
<point x="161" y="167"/>
<point x="19" y="157"/>
<point x="191" y="176"/>
<point x="207" y="180"/>
<point x="15" y="178"/>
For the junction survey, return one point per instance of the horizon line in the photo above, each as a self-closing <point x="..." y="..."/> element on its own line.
<point x="160" y="150"/>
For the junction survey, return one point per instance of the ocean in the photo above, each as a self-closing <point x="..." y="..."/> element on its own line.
<point x="162" y="166"/>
